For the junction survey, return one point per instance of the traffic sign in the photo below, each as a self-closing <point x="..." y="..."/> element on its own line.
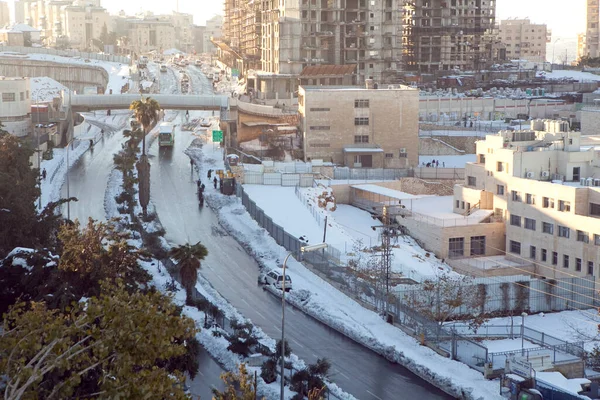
<point x="217" y="136"/>
<point x="235" y="72"/>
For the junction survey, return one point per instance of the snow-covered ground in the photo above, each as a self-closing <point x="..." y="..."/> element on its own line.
<point x="570" y="326"/>
<point x="119" y="74"/>
<point x="324" y="302"/>
<point x="449" y="161"/>
<point x="44" y="89"/>
<point x="561" y="74"/>
<point x="442" y="132"/>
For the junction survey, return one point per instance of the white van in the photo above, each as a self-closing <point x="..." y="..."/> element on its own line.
<point x="275" y="278"/>
<point x="163" y="68"/>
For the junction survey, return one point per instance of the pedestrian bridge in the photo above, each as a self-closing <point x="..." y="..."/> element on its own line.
<point x="89" y="102"/>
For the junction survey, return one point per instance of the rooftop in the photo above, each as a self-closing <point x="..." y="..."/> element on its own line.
<point x="310" y="88"/>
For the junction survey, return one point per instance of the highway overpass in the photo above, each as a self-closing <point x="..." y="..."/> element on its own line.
<point x="167" y="101"/>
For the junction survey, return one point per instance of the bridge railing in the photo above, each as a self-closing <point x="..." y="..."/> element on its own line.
<point x="165" y="100"/>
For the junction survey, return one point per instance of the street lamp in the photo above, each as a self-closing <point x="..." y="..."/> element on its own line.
<point x="523" y="315"/>
<point x="303" y="249"/>
<point x="553" y="46"/>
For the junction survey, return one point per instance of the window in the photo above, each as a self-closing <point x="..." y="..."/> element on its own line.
<point x="515" y="220"/>
<point x="22" y="96"/>
<point x="578" y="264"/>
<point x="319" y="128"/>
<point x="564" y="206"/>
<point x="532" y="251"/>
<point x="457" y="203"/>
<point x="546" y="202"/>
<point x="462" y="205"/>
<point x="456" y="247"/>
<point x="361" y="103"/>
<point x="27" y="94"/>
<point x="515" y="247"/>
<point x="596" y="239"/>
<point x="530" y="224"/>
<point x="6" y="97"/>
<point x="563" y="231"/>
<point x="389" y="155"/>
<point x="530" y="198"/>
<point x="594" y="210"/>
<point x="516" y="196"/>
<point x="499" y="166"/>
<point x="471" y="181"/>
<point x="320" y="109"/>
<point x="583" y="236"/>
<point x="361" y="121"/>
<point x="500" y="190"/>
<point x="544" y="255"/>
<point x="590" y="270"/>
<point x="361" y="139"/>
<point x="554" y="258"/>
<point x="565" y="261"/>
<point x="477" y="245"/>
<point x="548" y="228"/>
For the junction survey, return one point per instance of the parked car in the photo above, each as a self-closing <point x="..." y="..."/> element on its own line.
<point x="275" y="278"/>
<point x="163" y="68"/>
<point x="205" y="123"/>
<point x="198" y="63"/>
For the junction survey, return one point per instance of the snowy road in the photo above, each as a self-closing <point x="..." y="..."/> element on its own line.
<point x="200" y="83"/>
<point x="88" y="178"/>
<point x="234" y="273"/>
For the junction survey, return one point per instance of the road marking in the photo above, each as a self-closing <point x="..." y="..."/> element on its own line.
<point x="245" y="302"/>
<point x="343" y="374"/>
<point x="200" y="372"/>
<point x="278" y="330"/>
<point x="263" y="317"/>
<point x="222" y="280"/>
<point x="296" y="342"/>
<point x="374" y="395"/>
<point x="315" y="356"/>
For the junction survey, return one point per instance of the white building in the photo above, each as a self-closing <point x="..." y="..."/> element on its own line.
<point x="4" y="14"/>
<point x="15" y="105"/>
<point x="83" y="24"/>
<point x="524" y="40"/>
<point x="213" y="29"/>
<point x="546" y="189"/>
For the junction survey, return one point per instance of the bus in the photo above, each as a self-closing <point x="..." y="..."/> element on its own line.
<point x="166" y="135"/>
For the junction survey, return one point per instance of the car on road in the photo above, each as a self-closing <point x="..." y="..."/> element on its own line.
<point x="198" y="63"/>
<point x="275" y="278"/>
<point x="163" y="68"/>
<point x="205" y="123"/>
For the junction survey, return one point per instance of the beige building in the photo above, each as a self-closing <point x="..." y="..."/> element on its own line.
<point x="184" y="36"/>
<point x="83" y="24"/>
<point x="546" y="189"/>
<point x="524" y="40"/>
<point x="150" y="33"/>
<point x="359" y="127"/>
<point x="4" y="14"/>
<point x="592" y="29"/>
<point x="15" y="105"/>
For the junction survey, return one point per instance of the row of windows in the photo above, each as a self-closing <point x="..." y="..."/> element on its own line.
<point x="548" y="228"/>
<point x="361" y="121"/>
<point x="515" y="248"/>
<point x="456" y="246"/>
<point x="319" y="145"/>
<point x="320" y="109"/>
<point x="10" y="97"/>
<point x="361" y="103"/>
<point x="547" y="202"/>
<point x="319" y="128"/>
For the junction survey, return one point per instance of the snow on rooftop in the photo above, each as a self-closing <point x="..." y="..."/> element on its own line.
<point x="457" y="161"/>
<point x="562" y="74"/>
<point x="44" y="89"/>
<point x="394" y="194"/>
<point x="363" y="150"/>
<point x="558" y="380"/>
<point x="439" y="209"/>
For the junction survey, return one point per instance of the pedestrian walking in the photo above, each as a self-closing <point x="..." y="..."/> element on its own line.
<point x="209" y="173"/>
<point x="202" y="187"/>
<point x="437" y="163"/>
<point x="443" y="164"/>
<point x="199" y="184"/>
<point x="215" y="182"/>
<point x="44" y="174"/>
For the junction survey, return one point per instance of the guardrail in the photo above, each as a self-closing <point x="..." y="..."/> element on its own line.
<point x="66" y="53"/>
<point x="166" y="101"/>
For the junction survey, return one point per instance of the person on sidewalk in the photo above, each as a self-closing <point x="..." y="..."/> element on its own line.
<point x="215" y="182"/>
<point x="44" y="174"/>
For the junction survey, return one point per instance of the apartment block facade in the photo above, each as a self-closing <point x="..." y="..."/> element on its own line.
<point x="547" y="191"/>
<point x="4" y="14"/>
<point x="592" y="29"/>
<point x="524" y="40"/>
<point x="359" y="127"/>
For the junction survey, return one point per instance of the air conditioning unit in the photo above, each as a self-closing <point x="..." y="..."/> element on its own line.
<point x="357" y="165"/>
<point x="589" y="182"/>
<point x="583" y="182"/>
<point x="545" y="174"/>
<point x="530" y="174"/>
<point x="596" y="182"/>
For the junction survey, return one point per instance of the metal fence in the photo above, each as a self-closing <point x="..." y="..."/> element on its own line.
<point x="439" y="173"/>
<point x="278" y="178"/>
<point x="370" y="173"/>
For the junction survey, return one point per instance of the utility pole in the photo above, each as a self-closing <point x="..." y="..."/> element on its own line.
<point x="388" y="231"/>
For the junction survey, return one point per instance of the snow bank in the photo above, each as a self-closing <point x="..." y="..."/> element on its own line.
<point x="44" y="89"/>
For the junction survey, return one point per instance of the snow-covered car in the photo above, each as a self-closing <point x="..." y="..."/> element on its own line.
<point x="205" y="123"/>
<point x="275" y="278"/>
<point x="163" y="68"/>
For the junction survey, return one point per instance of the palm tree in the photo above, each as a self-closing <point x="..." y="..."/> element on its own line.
<point x="146" y="112"/>
<point x="188" y="257"/>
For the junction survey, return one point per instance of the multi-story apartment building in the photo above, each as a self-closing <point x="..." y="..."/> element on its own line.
<point x="546" y="189"/>
<point x="73" y="23"/>
<point x="441" y="35"/>
<point x="184" y="35"/>
<point x="15" y="105"/>
<point x="4" y="14"/>
<point x="150" y="33"/>
<point x="592" y="29"/>
<point x="524" y="40"/>
<point x="360" y="127"/>
<point x="214" y="30"/>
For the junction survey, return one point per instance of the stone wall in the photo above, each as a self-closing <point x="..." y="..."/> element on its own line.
<point x="447" y="145"/>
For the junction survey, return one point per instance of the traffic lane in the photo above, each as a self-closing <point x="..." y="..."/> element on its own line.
<point x="207" y="378"/>
<point x="88" y="179"/>
<point x="205" y="86"/>
<point x="234" y="274"/>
